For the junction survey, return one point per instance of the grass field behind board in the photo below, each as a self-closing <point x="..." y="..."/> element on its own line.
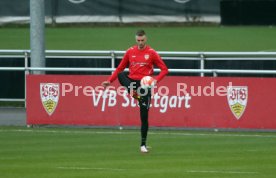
<point x="213" y="38"/>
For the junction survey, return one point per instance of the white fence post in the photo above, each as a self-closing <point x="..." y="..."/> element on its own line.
<point x="202" y="64"/>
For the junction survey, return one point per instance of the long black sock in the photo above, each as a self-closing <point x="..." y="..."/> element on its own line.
<point x="144" y="104"/>
<point x="144" y="124"/>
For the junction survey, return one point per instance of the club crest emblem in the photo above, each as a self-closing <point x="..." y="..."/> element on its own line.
<point x="237" y="97"/>
<point x="49" y="95"/>
<point x="146" y="56"/>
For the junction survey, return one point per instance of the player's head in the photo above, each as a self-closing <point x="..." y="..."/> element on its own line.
<point x="141" y="39"/>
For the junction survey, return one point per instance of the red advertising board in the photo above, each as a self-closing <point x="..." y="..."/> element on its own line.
<point x="188" y="102"/>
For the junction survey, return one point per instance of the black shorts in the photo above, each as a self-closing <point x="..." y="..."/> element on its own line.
<point x="130" y="84"/>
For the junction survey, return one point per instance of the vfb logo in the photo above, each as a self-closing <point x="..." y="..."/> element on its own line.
<point x="49" y="95"/>
<point x="237" y="99"/>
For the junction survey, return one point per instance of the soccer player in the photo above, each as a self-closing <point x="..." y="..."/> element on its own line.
<point x="140" y="59"/>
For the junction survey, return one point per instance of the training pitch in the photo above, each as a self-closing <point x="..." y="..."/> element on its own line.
<point x="89" y="152"/>
<point x="114" y="153"/>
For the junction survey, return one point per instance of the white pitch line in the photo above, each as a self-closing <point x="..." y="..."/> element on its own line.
<point x="222" y="172"/>
<point x="91" y="168"/>
<point x="268" y="50"/>
<point x="188" y="171"/>
<point x="216" y="134"/>
<point x="129" y="132"/>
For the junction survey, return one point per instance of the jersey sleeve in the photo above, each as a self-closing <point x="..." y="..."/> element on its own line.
<point x="157" y="60"/>
<point x="123" y="64"/>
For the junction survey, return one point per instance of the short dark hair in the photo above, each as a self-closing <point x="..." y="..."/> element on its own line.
<point x="140" y="33"/>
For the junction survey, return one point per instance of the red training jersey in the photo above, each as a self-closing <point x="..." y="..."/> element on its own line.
<point x="140" y="63"/>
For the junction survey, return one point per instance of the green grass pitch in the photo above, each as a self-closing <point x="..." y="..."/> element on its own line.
<point x="214" y="38"/>
<point x="104" y="153"/>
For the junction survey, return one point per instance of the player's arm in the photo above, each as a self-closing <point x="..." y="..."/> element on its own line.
<point x="161" y="65"/>
<point x="123" y="64"/>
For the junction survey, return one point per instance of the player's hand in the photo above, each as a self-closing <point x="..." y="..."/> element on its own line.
<point x="106" y="84"/>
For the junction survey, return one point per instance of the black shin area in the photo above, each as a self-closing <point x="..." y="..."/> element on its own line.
<point x="144" y="124"/>
<point x="144" y="104"/>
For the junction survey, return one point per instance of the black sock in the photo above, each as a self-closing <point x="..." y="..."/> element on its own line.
<point x="144" y="110"/>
